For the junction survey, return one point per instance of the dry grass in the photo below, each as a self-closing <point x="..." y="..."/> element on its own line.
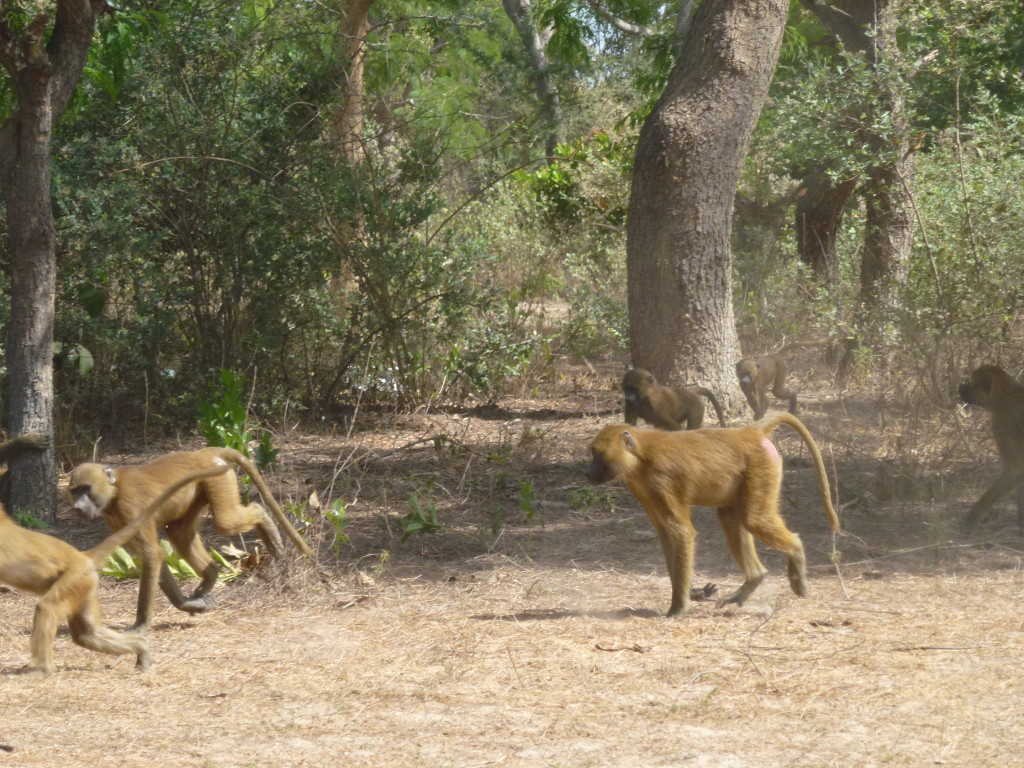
<point x="545" y="645"/>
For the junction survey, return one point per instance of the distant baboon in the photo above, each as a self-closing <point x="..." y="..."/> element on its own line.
<point x="995" y="390"/>
<point x="737" y="471"/>
<point x="119" y="495"/>
<point x="757" y="375"/>
<point x="665" y="407"/>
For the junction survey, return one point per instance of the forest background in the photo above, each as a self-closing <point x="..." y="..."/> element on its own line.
<point x="383" y="247"/>
<point x="423" y="204"/>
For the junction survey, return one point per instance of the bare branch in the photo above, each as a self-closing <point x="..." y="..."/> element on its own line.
<point x="639" y="30"/>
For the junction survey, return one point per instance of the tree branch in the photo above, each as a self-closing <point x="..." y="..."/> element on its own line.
<point x="639" y="30"/>
<point x="69" y="47"/>
<point x="852" y="32"/>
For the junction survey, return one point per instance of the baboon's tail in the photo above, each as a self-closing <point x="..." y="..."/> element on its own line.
<point x="714" y="404"/>
<point x="101" y="552"/>
<point x="769" y="424"/>
<point x="230" y="454"/>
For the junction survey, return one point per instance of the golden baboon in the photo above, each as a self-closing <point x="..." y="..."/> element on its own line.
<point x="119" y="495"/>
<point x="757" y="375"/>
<point x="737" y="471"/>
<point x="995" y="390"/>
<point x="662" y="406"/>
<point x="67" y="580"/>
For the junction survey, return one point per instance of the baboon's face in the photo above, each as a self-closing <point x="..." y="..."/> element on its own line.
<point x="978" y="389"/>
<point x="90" y="490"/>
<point x="611" y="454"/>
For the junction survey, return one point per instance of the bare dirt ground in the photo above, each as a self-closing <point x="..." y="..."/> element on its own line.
<point x="507" y="641"/>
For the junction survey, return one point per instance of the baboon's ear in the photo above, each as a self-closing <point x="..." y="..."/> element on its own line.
<point x="650" y="379"/>
<point x="627" y="438"/>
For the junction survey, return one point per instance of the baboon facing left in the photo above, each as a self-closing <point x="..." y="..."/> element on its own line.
<point x="119" y="495"/>
<point x="737" y="471"/>
<point x="756" y="376"/>
<point x="996" y="391"/>
<point x="66" y="581"/>
<point x="663" y="406"/>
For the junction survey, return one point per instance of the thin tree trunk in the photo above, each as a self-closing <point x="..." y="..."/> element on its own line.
<point x="688" y="162"/>
<point x="347" y="119"/>
<point x="819" y="211"/>
<point x="535" y="40"/>
<point x="888" y="239"/>
<point x="867" y="27"/>
<point x="888" y="222"/>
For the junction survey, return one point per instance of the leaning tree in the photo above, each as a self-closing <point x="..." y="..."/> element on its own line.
<point x="688" y="162"/>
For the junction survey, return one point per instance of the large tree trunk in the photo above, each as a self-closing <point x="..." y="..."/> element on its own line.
<point x="33" y="287"/>
<point x="44" y="79"/>
<point x="687" y="167"/>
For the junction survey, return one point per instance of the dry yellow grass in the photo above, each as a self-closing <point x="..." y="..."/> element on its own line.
<point x="545" y="645"/>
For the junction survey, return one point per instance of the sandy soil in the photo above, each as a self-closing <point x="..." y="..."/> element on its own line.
<point x="507" y="641"/>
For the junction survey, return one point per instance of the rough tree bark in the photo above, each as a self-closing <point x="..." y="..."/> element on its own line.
<point x="888" y="217"/>
<point x="44" y="77"/>
<point x="688" y="162"/>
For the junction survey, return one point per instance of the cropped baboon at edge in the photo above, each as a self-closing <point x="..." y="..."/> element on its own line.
<point x="119" y="496"/>
<point x="663" y="406"/>
<point x="996" y="391"/>
<point x="756" y="376"/>
<point x="67" y="581"/>
<point x="737" y="471"/>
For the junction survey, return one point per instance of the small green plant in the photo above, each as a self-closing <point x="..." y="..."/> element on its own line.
<point x="313" y="512"/>
<point x="224" y="417"/>
<point x="335" y="514"/>
<point x="25" y="520"/>
<point x="497" y="521"/>
<point x="581" y="498"/>
<point x="265" y="454"/>
<point x="121" y="564"/>
<point x="527" y="498"/>
<point x="420" y="520"/>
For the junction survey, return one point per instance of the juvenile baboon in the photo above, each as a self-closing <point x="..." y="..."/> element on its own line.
<point x="120" y="494"/>
<point x="67" y="580"/>
<point x="737" y="471"/>
<point x="757" y="375"/>
<point x="995" y="390"/>
<point x="662" y="406"/>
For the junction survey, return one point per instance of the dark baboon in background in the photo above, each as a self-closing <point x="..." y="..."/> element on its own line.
<point x="665" y="407"/>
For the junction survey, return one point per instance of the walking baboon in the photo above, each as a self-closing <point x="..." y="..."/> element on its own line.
<point x="67" y="581"/>
<point x="995" y="390"/>
<point x="662" y="406"/>
<point x="737" y="471"/>
<point x="120" y="494"/>
<point x="757" y="375"/>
